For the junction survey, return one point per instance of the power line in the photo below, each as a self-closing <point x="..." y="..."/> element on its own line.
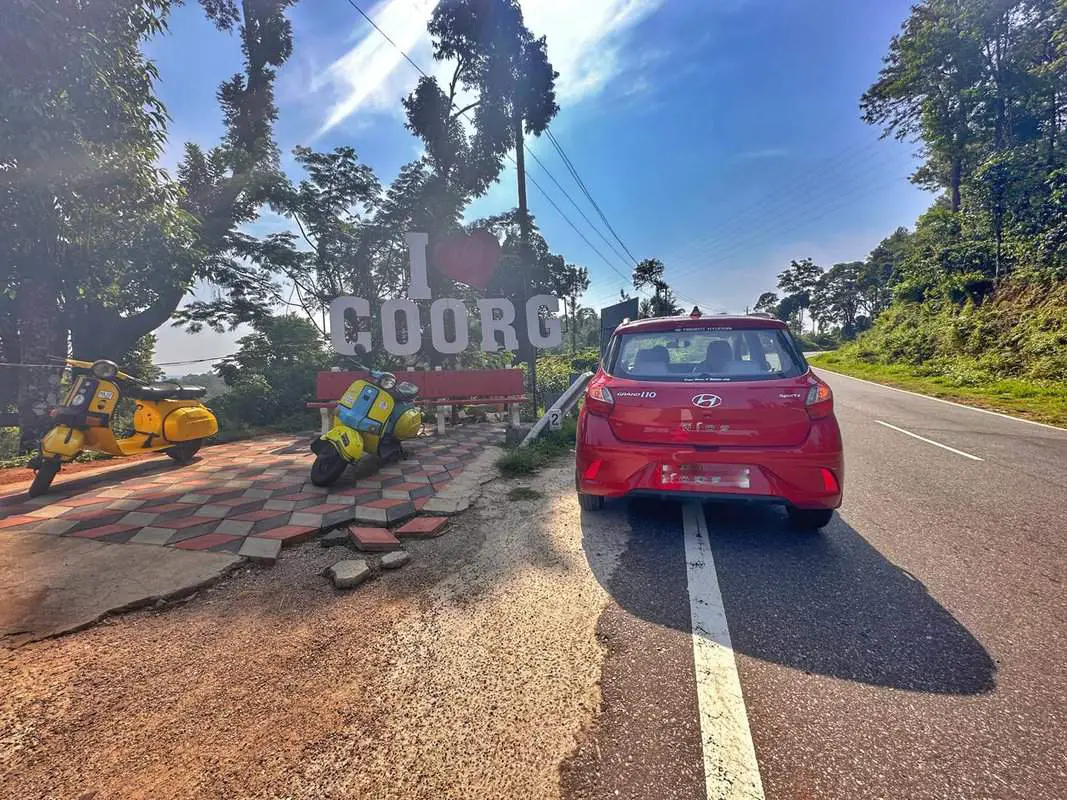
<point x="585" y="190"/>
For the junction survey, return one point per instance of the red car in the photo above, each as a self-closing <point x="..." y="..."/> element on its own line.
<point x="712" y="407"/>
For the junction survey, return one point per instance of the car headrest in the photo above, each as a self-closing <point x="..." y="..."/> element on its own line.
<point x="718" y="355"/>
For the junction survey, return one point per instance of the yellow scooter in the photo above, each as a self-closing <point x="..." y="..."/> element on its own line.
<point x="373" y="418"/>
<point x="168" y="418"/>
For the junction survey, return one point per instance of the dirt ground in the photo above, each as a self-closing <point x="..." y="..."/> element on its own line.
<point x="469" y="673"/>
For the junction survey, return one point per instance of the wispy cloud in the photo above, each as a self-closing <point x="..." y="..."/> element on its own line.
<point x="585" y="41"/>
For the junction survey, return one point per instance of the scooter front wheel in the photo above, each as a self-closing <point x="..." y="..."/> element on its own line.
<point x="327" y="468"/>
<point x="46" y="473"/>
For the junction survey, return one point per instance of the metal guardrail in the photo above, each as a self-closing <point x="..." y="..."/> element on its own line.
<point x="559" y="409"/>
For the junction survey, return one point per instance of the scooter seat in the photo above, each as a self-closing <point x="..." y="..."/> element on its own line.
<point x="166" y="391"/>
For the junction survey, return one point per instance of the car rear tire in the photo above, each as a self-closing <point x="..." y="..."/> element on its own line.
<point x="42" y="479"/>
<point x="810" y="519"/>
<point x="183" y="453"/>
<point x="590" y="502"/>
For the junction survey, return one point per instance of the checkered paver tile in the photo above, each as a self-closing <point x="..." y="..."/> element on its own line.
<point x="245" y="497"/>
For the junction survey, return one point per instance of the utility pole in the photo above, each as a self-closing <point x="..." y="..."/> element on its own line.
<point x="524" y="248"/>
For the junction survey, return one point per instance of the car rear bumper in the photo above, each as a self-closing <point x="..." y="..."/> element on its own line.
<point x="795" y="476"/>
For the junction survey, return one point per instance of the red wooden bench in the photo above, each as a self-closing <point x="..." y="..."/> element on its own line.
<point x="440" y="388"/>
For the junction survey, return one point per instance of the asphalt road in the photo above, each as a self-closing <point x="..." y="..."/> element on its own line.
<point x="917" y="648"/>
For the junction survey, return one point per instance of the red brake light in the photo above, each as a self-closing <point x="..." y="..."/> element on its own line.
<point x="820" y="400"/>
<point x="829" y="480"/>
<point x="599" y="401"/>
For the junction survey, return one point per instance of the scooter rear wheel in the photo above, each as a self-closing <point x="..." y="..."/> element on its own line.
<point x="42" y="480"/>
<point x="327" y="468"/>
<point x="183" y="453"/>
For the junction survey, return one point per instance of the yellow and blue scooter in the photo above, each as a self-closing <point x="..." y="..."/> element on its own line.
<point x="373" y="417"/>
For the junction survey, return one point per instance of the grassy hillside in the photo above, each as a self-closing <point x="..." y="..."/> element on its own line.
<point x="1008" y="353"/>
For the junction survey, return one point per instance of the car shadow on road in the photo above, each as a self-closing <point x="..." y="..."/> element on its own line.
<point x="827" y="603"/>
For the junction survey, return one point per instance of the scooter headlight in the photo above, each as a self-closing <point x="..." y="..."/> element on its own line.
<point x="387" y="381"/>
<point x="105" y="370"/>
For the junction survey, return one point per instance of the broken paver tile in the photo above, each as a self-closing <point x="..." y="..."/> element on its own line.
<point x="334" y="538"/>
<point x="423" y="527"/>
<point x="151" y="535"/>
<point x="235" y="527"/>
<point x="395" y="559"/>
<point x="349" y="574"/>
<point x="260" y="550"/>
<point x="373" y="540"/>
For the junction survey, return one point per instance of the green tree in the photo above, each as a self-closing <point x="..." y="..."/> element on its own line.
<point x="277" y="363"/>
<point x="570" y="283"/>
<point x="497" y="59"/>
<point x="798" y="282"/>
<point x="97" y="245"/>
<point x="768" y="303"/>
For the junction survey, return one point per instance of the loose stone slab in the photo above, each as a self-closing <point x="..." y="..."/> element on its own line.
<point x="262" y="551"/>
<point x="395" y="559"/>
<point x="349" y="574"/>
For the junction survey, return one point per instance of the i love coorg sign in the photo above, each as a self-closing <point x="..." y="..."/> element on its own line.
<point x="467" y="259"/>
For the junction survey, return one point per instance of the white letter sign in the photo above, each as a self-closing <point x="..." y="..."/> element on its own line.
<point x="553" y="337"/>
<point x="505" y="325"/>
<point x="459" y="322"/>
<point x="360" y="307"/>
<point x="390" y="338"/>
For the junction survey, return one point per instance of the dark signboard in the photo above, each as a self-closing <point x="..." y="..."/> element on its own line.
<point x="613" y="316"/>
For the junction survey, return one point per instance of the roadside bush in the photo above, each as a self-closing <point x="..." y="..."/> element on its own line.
<point x="540" y="453"/>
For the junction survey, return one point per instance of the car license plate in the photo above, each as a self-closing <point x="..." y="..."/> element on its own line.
<point x="707" y="476"/>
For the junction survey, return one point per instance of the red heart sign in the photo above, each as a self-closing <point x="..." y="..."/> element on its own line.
<point x="468" y="259"/>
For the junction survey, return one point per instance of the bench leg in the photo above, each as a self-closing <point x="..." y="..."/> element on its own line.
<point x="324" y="418"/>
<point x="513" y="410"/>
<point x="442" y="412"/>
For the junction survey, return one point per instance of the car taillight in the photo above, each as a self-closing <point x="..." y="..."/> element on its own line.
<point x="599" y="401"/>
<point x="820" y="400"/>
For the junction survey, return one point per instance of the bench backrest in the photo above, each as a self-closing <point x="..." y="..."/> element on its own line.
<point x="461" y="383"/>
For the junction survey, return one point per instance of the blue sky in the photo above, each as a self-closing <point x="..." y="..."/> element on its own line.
<point x="721" y="136"/>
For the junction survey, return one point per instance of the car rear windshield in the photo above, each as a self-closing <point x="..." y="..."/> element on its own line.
<point x="718" y="354"/>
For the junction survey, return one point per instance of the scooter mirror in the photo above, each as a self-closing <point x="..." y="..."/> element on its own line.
<point x="105" y="370"/>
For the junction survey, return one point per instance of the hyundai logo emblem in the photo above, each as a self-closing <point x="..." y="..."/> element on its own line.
<point x="706" y="400"/>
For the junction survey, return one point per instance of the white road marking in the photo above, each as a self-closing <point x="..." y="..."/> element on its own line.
<point x="731" y="771"/>
<point x="930" y="441"/>
<point x="946" y="402"/>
